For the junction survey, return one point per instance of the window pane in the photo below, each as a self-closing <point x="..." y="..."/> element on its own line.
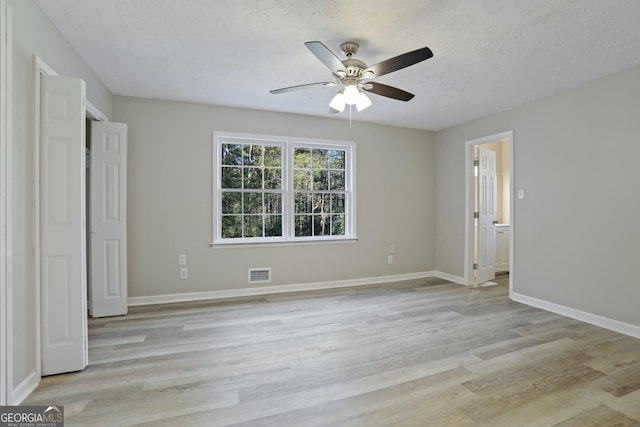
<point x="303" y="225"/>
<point x="321" y="203"/>
<point x="301" y="180"/>
<point x="273" y="156"/>
<point x="337" y="203"/>
<point x="273" y="226"/>
<point x="336" y="159"/>
<point x="320" y="180"/>
<point x="272" y="203"/>
<point x="252" y="178"/>
<point x="302" y="158"/>
<point x="337" y="225"/>
<point x="231" y="154"/>
<point x="320" y="158"/>
<point x="231" y="203"/>
<point x="231" y="226"/>
<point x="336" y="180"/>
<point x="252" y="203"/>
<point x="303" y="203"/>
<point x="253" y="226"/>
<point x="252" y="155"/>
<point x="321" y="225"/>
<point x="273" y="179"/>
<point x="231" y="177"/>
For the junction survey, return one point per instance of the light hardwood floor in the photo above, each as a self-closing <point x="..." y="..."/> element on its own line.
<point x="419" y="353"/>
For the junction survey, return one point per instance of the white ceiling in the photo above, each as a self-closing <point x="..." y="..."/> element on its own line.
<point x="489" y="55"/>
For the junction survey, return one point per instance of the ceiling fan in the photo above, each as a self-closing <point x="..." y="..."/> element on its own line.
<point x="355" y="77"/>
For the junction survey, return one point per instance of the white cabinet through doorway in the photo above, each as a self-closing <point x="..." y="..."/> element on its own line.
<point x="502" y="247"/>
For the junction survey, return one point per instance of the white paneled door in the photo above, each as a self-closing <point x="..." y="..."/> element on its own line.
<point x="487" y="214"/>
<point x="108" y="219"/>
<point x="62" y="225"/>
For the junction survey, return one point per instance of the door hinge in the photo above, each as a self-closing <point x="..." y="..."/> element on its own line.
<point x="476" y="214"/>
<point x="475" y="266"/>
<point x="476" y="162"/>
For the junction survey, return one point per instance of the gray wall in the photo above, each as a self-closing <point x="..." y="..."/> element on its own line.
<point x="577" y="233"/>
<point x="33" y="34"/>
<point x="170" y="187"/>
<point x="576" y="154"/>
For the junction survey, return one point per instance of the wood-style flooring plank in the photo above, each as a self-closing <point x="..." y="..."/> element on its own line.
<point x="423" y="352"/>
<point x="600" y="416"/>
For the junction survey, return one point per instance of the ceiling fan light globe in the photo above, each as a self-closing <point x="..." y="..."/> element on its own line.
<point x="351" y="94"/>
<point x="362" y="102"/>
<point x="338" y="102"/>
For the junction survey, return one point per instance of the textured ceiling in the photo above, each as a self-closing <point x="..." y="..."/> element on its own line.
<point x="489" y="55"/>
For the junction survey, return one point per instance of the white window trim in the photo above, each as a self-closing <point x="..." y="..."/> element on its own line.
<point x="288" y="143"/>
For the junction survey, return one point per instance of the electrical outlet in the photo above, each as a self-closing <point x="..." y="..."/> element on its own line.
<point x="389" y="259"/>
<point x="184" y="273"/>
<point x="182" y="259"/>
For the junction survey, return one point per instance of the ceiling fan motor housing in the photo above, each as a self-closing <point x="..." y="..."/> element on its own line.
<point x="354" y="67"/>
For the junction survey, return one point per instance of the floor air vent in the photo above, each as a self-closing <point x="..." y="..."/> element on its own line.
<point x="259" y="275"/>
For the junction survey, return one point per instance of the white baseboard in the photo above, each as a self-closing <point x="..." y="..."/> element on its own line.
<point x="24" y="389"/>
<point x="450" y="277"/>
<point x="594" y="319"/>
<point x="268" y="290"/>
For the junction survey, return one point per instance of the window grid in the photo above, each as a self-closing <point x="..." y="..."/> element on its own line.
<point x="272" y="190"/>
<point x="319" y="191"/>
<point x="250" y="190"/>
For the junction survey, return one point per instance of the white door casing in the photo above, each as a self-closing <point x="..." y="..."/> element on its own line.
<point x="108" y="222"/>
<point x="62" y="225"/>
<point x="487" y="214"/>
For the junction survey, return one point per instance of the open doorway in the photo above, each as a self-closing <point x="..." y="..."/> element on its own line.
<point x="489" y="216"/>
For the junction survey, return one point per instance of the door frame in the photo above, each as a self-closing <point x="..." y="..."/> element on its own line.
<point x="469" y="185"/>
<point x="6" y="173"/>
<point x="94" y="113"/>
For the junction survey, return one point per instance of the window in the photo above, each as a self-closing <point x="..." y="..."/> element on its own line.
<point x="319" y="191"/>
<point x="279" y="189"/>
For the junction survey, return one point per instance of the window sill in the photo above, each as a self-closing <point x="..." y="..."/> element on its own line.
<point x="216" y="245"/>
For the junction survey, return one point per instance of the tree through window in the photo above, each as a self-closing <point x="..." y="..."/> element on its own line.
<point x="282" y="190"/>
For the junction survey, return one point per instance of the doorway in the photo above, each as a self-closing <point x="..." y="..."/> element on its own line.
<point x="497" y="238"/>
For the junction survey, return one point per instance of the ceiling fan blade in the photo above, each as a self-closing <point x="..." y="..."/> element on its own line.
<point x="303" y="87"/>
<point x="388" y="91"/>
<point x="401" y="61"/>
<point x="325" y="56"/>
